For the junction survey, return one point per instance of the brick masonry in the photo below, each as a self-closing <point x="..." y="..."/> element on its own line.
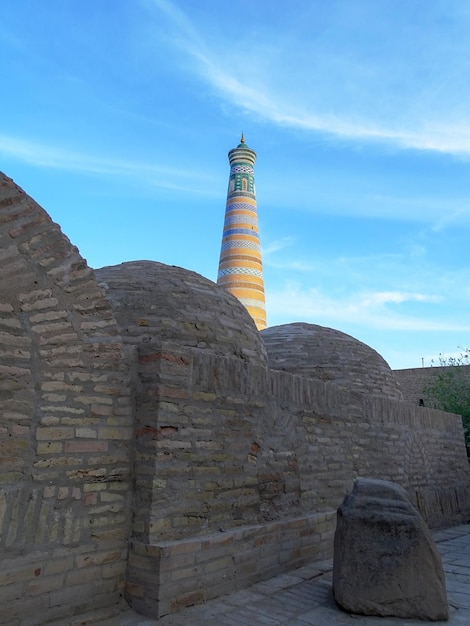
<point x="245" y="446"/>
<point x="329" y="355"/>
<point x="66" y="425"/>
<point x="414" y="381"/>
<point x="147" y="449"/>
<point x="200" y="568"/>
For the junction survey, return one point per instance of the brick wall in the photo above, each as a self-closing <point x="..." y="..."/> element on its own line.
<point x="223" y="447"/>
<point x="65" y="425"/>
<point x="169" y="575"/>
<point x="414" y="381"/>
<point x="144" y="440"/>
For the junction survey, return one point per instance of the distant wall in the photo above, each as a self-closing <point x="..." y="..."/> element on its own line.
<point x="66" y="425"/>
<point x="228" y="453"/>
<point x="414" y="381"/>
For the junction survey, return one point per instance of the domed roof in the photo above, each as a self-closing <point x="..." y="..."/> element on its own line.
<point x="329" y="355"/>
<point x="152" y="302"/>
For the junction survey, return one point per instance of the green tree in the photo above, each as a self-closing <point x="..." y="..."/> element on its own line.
<point x="450" y="389"/>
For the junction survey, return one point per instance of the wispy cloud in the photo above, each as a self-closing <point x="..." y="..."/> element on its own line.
<point x="277" y="245"/>
<point x="381" y="298"/>
<point x="292" y="303"/>
<point x="285" y="262"/>
<point x="55" y="157"/>
<point x="306" y="87"/>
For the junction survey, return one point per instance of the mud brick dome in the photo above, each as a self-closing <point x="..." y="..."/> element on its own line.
<point x="331" y="356"/>
<point x="151" y="300"/>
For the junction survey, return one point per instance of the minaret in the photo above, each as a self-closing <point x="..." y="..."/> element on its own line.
<point x="240" y="266"/>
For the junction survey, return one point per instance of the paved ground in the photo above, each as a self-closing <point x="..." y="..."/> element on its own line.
<point x="304" y="598"/>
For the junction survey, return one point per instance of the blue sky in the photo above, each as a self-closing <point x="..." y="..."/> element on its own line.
<point x="117" y="117"/>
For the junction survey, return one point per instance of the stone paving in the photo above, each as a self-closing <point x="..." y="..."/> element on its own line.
<point x="304" y="598"/>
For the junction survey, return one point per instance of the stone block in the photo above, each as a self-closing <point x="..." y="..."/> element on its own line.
<point x="385" y="559"/>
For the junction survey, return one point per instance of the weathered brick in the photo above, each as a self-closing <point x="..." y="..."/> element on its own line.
<point x="84" y="575"/>
<point x="50" y="447"/>
<point x="11" y="575"/>
<point x="13" y="592"/>
<point x="86" y="446"/>
<point x="58" y="566"/>
<point x="54" y="433"/>
<point x="39" y="304"/>
<point x="44" y="584"/>
<point x="90" y="433"/>
<point x="92" y="487"/>
<point x="116" y="432"/>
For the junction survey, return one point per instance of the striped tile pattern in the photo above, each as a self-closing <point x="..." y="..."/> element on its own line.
<point x="240" y="265"/>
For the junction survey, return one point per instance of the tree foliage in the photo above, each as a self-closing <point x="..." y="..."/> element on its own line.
<point x="450" y="389"/>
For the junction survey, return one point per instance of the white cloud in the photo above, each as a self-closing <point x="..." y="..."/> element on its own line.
<point x="367" y="309"/>
<point x="54" y="157"/>
<point x="380" y="298"/>
<point x="298" y="83"/>
<point x="277" y="245"/>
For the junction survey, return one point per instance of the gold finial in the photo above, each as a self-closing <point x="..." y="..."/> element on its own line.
<point x="242" y="140"/>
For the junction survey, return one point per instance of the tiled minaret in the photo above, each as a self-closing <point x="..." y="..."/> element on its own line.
<point x="240" y="265"/>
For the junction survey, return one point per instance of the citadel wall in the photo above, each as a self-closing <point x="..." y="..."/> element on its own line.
<point x="130" y="463"/>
